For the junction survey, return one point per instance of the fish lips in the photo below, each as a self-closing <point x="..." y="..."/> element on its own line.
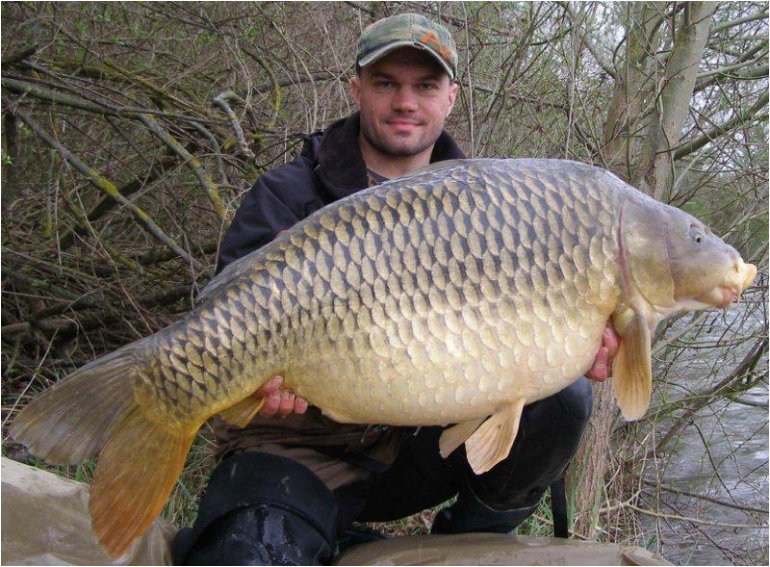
<point x="735" y="282"/>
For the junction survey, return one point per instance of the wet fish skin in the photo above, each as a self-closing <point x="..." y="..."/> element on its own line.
<point x="382" y="288"/>
<point x="453" y="294"/>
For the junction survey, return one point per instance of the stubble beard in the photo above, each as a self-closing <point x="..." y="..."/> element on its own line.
<point x="383" y="145"/>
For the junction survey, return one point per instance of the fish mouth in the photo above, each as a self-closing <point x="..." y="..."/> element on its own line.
<point x="730" y="291"/>
<point x="729" y="295"/>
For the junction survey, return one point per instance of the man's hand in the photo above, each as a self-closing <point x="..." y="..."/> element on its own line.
<point x="279" y="402"/>
<point x="602" y="367"/>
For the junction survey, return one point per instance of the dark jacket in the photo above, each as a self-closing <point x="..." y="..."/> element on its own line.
<point x="329" y="168"/>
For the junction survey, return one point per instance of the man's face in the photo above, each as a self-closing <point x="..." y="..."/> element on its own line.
<point x="404" y="99"/>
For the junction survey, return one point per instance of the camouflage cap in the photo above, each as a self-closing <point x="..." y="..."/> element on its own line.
<point x="407" y="30"/>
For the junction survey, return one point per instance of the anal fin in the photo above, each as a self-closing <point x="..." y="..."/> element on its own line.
<point x="493" y="440"/>
<point x="241" y="414"/>
<point x="632" y="369"/>
<point x="454" y="436"/>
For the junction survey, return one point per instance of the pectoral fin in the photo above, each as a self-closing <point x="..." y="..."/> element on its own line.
<point x="493" y="440"/>
<point x="241" y="414"/>
<point x="456" y="435"/>
<point x="632" y="369"/>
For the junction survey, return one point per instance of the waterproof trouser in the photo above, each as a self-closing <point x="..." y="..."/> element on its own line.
<point x="264" y="509"/>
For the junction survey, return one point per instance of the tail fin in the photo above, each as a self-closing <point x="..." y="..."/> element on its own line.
<point x="137" y="470"/>
<point x="94" y="412"/>
<point x="71" y="421"/>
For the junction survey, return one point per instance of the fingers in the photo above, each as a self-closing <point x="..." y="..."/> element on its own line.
<point x="270" y="387"/>
<point x="611" y="339"/>
<point x="278" y="402"/>
<point x="602" y="366"/>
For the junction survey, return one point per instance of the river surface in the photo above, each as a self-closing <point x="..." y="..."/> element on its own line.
<point x="714" y="472"/>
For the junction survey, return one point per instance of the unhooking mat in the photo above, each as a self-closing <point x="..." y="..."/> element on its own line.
<point x="45" y="521"/>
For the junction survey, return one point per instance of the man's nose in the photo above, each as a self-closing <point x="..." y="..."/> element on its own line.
<point x="405" y="99"/>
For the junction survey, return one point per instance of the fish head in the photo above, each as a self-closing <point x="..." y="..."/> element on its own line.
<point x="707" y="272"/>
<point x="670" y="262"/>
<point x="677" y="263"/>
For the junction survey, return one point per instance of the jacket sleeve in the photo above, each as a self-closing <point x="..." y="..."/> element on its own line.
<point x="277" y="201"/>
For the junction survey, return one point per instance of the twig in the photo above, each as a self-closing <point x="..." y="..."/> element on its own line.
<point x="221" y="101"/>
<point x="693" y="520"/>
<point x="704" y="497"/>
<point x="205" y="180"/>
<point x="105" y="186"/>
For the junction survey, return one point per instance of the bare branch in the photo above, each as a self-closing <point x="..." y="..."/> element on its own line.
<point x="105" y="186"/>
<point x="752" y="113"/>
<point x="738" y="22"/>
<point x="221" y="101"/>
<point x="585" y="40"/>
<point x="203" y="177"/>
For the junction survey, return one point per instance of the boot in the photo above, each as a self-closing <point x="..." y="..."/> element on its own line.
<point x="261" y="509"/>
<point x="468" y="514"/>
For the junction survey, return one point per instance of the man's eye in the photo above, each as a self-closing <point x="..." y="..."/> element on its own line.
<point x="383" y="84"/>
<point x="428" y="86"/>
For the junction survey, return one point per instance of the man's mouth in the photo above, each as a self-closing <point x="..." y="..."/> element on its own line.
<point x="403" y="123"/>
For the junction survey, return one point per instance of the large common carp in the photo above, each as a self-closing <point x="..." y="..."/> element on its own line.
<point x="455" y="295"/>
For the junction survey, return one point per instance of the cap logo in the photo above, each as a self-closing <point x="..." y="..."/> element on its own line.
<point x="433" y="41"/>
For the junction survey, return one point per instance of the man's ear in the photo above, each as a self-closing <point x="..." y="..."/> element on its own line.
<point x="355" y="90"/>
<point x="452" y="97"/>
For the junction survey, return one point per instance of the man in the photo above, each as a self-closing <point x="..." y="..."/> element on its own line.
<point x="288" y="489"/>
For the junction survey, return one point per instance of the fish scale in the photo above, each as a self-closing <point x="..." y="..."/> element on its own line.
<point x="451" y="296"/>
<point x="462" y="265"/>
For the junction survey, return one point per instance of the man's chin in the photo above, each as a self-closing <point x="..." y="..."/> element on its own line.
<point x="398" y="145"/>
<point x="403" y="148"/>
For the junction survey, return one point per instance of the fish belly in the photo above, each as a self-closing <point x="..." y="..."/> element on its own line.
<point x="443" y="379"/>
<point x="426" y="300"/>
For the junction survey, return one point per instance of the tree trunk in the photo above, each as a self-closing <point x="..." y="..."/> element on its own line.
<point x="671" y="106"/>
<point x="644" y="122"/>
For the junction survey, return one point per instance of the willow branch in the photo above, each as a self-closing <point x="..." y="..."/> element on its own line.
<point x="60" y="97"/>
<point x="704" y="497"/>
<point x="20" y="55"/>
<point x="585" y="40"/>
<point x="276" y="85"/>
<point x="691" y="519"/>
<point x="208" y="185"/>
<point x="105" y="186"/>
<point x="748" y="362"/>
<point x="42" y="93"/>
<point x="737" y="22"/>
<point x="221" y="101"/>
<point x="149" y="86"/>
<point x="93" y="320"/>
<point x="223" y="180"/>
<point x="722" y="129"/>
<point x="751" y="74"/>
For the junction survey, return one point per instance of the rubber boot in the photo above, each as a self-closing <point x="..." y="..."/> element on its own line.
<point x="261" y="509"/>
<point x="500" y="499"/>
<point x="469" y="514"/>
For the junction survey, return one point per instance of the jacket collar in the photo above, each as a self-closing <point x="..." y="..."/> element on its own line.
<point x="340" y="165"/>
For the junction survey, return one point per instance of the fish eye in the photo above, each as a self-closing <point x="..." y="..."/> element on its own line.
<point x="696" y="233"/>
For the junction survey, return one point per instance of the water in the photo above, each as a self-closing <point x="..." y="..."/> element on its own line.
<point x="709" y="484"/>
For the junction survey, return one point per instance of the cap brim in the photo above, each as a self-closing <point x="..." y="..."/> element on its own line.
<point x="378" y="54"/>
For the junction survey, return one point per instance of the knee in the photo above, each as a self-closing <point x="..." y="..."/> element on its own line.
<point x="260" y="509"/>
<point x="549" y="435"/>
<point x="577" y="399"/>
